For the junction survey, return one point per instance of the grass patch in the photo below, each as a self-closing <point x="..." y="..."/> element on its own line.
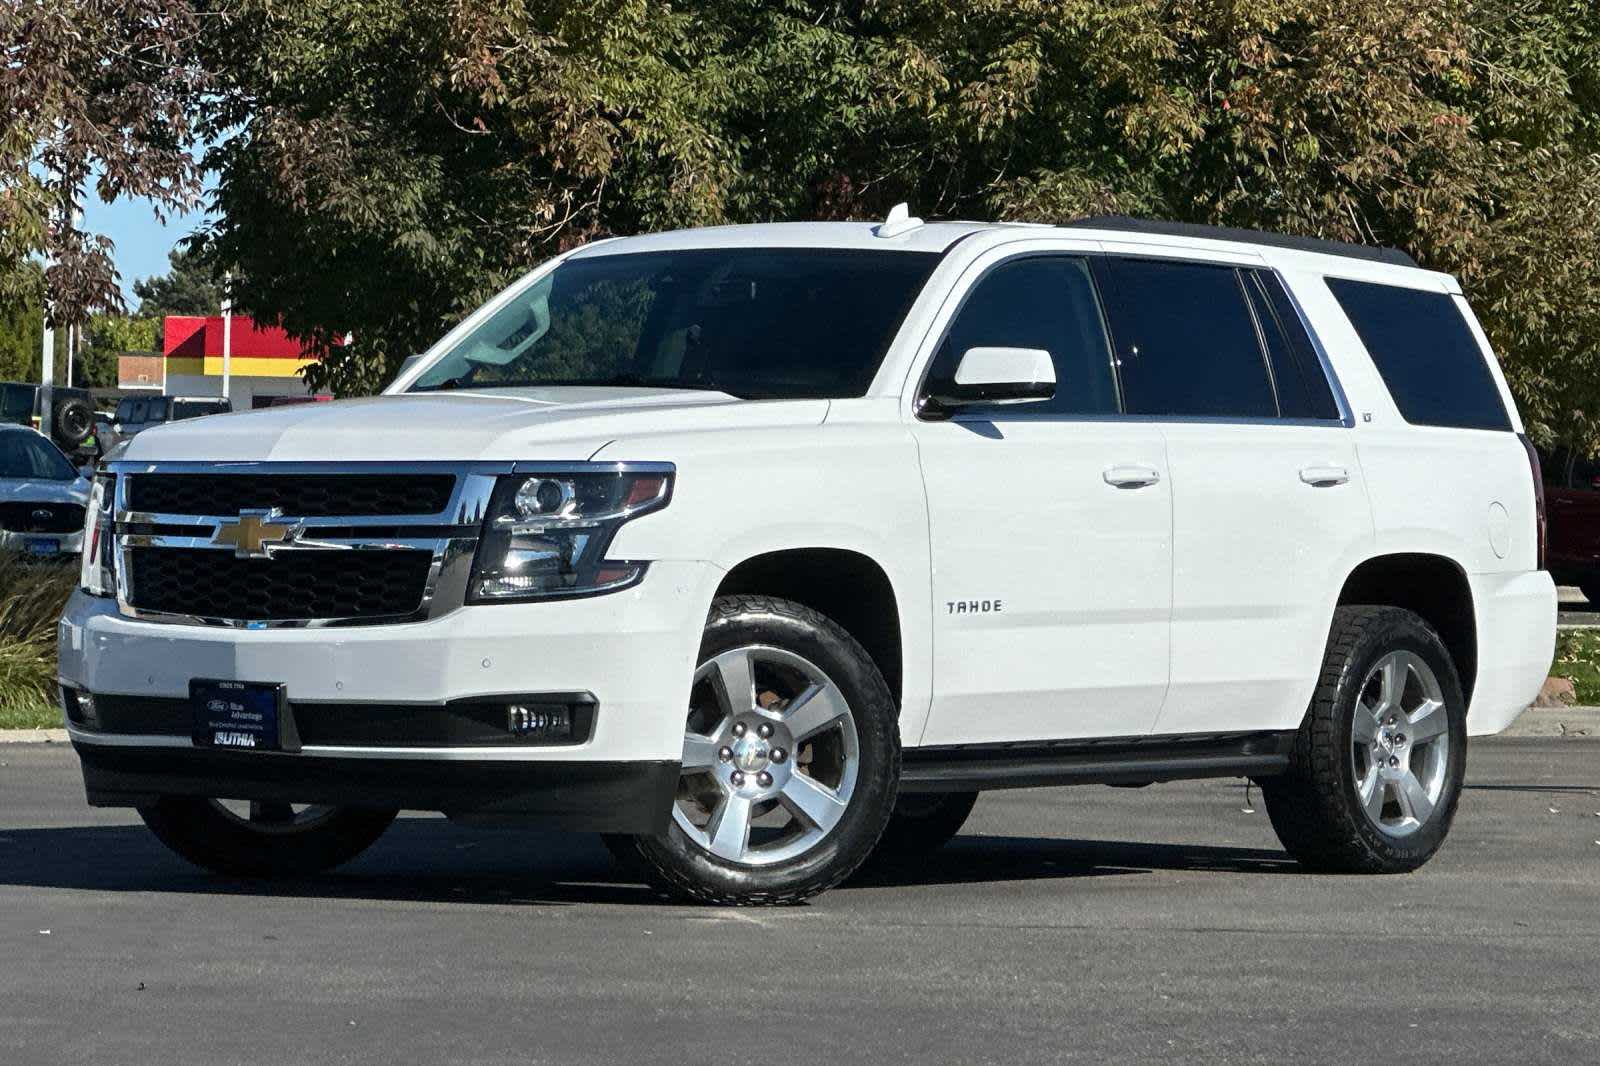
<point x="30" y="718"/>
<point x="1578" y="659"/>
<point x="32" y="596"/>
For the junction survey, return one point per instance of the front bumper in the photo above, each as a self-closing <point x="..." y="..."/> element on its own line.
<point x="611" y="797"/>
<point x="67" y="543"/>
<point x="374" y="688"/>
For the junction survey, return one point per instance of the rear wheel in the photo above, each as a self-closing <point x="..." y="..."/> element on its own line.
<point x="924" y="821"/>
<point x="1379" y="760"/>
<point x="263" y="839"/>
<point x="790" y="763"/>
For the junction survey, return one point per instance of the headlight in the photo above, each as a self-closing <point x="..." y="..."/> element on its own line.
<point x="546" y="534"/>
<point x="97" y="564"/>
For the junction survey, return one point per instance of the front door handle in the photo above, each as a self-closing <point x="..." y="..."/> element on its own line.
<point x="1319" y="476"/>
<point x="1131" y="477"/>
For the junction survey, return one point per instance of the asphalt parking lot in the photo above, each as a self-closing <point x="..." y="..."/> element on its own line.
<point x="1080" y="925"/>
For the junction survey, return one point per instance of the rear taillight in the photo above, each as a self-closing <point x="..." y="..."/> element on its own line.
<point x="1539" y="527"/>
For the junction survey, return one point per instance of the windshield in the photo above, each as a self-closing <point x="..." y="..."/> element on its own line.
<point x="758" y="323"/>
<point x="28" y="455"/>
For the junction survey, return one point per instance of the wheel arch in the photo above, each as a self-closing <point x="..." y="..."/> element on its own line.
<point x="1432" y="586"/>
<point x="848" y="586"/>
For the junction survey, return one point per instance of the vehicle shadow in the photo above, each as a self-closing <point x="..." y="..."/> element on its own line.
<point x="431" y="860"/>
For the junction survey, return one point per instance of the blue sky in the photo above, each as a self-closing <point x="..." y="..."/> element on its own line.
<point x="142" y="243"/>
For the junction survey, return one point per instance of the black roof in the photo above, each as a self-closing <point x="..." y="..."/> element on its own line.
<point x="1371" y="253"/>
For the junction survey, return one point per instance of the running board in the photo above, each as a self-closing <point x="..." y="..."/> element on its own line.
<point x="1120" y="761"/>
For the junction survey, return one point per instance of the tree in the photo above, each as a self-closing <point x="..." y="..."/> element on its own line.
<point x="92" y="93"/>
<point x="189" y="287"/>
<point x="383" y="167"/>
<point x="107" y="336"/>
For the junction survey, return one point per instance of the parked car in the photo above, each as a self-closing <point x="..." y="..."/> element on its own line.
<point x="135" y="414"/>
<point x="758" y="548"/>
<point x="1572" y="495"/>
<point x="72" y="412"/>
<point x="42" y="495"/>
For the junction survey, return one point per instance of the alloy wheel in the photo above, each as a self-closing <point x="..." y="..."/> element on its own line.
<point x="770" y="757"/>
<point x="1400" y="744"/>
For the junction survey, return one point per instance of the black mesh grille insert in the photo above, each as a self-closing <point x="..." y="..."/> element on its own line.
<point x="296" y="495"/>
<point x="22" y="517"/>
<point x="293" y="585"/>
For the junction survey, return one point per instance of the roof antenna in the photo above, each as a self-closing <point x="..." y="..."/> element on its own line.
<point x="900" y="221"/>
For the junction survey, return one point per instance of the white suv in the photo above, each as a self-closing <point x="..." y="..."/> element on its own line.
<point x="759" y="548"/>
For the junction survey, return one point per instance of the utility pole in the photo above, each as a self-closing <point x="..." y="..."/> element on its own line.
<point x="227" y="332"/>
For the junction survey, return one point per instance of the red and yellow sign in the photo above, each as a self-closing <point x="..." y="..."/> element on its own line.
<point x="193" y="345"/>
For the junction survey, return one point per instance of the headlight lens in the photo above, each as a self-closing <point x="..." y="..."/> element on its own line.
<point x="546" y="534"/>
<point x="97" y="564"/>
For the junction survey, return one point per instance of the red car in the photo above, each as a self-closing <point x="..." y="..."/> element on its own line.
<point x="1572" y="502"/>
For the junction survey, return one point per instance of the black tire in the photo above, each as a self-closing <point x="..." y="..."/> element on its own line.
<point x="210" y="837"/>
<point x="682" y="868"/>
<point x="924" y="821"/>
<point x="1591" y="592"/>
<point x="1315" y="808"/>
<point x="72" y="421"/>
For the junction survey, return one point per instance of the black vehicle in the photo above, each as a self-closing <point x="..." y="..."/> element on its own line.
<point x="71" y="411"/>
<point x="137" y="413"/>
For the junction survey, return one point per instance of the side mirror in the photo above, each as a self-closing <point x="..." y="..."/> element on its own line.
<point x="997" y="375"/>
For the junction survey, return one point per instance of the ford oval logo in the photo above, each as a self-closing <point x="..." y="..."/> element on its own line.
<point x="216" y="706"/>
<point x="43" y="514"/>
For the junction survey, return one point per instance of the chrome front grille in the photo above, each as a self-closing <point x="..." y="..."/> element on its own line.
<point x="296" y="544"/>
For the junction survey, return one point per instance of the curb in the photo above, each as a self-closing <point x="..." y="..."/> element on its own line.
<point x="33" y="736"/>
<point x="1573" y="723"/>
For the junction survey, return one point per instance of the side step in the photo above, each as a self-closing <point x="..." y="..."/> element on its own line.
<point x="1120" y="761"/>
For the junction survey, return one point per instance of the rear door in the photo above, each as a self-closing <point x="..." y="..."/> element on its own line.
<point x="1269" y="505"/>
<point x="1050" y="526"/>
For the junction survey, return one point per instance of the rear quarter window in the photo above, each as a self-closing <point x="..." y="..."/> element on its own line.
<point x="1426" y="353"/>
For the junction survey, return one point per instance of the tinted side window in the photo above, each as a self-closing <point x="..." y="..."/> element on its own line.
<point x="1303" y="390"/>
<point x="124" y="411"/>
<point x="1427" y="355"/>
<point x="16" y="402"/>
<point x="1043" y="302"/>
<point x="1185" y="339"/>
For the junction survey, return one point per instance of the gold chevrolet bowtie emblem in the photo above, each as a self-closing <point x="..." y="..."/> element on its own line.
<point x="254" y="534"/>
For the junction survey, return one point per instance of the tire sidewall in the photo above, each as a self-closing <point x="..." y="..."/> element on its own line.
<point x="877" y="734"/>
<point x="1402" y="633"/>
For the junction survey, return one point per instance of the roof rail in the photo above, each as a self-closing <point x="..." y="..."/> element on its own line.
<point x="1125" y="223"/>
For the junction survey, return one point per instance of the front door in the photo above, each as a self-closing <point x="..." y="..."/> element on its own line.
<point x="1050" y="525"/>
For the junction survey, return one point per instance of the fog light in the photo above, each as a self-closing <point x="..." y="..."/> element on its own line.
<point x="539" y="721"/>
<point x="79" y="707"/>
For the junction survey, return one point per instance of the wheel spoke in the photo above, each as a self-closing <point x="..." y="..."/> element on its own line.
<point x="699" y="753"/>
<point x="1429" y="721"/>
<point x="814" y="710"/>
<point x="1391" y="684"/>
<point x="1366" y="724"/>
<point x="736" y="681"/>
<point x="1413" y="797"/>
<point x="813" y="801"/>
<point x="729" y="828"/>
<point x="1373" y="794"/>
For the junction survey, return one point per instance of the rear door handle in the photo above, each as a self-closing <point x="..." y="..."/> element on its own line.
<point x="1131" y="477"/>
<point x="1324" y="475"/>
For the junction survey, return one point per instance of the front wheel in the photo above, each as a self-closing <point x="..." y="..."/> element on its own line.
<point x="1379" y="760"/>
<point x="263" y="839"/>
<point x="791" y="758"/>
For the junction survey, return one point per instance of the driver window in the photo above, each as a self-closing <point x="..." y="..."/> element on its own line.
<point x="1043" y="302"/>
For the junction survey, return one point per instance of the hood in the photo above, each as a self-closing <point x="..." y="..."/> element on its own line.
<point x="570" y="423"/>
<point x="43" y="490"/>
